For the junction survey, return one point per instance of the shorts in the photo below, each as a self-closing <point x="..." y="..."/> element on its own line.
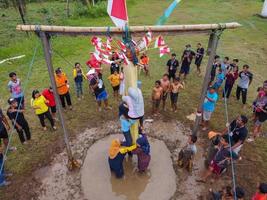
<point x="174" y="97"/>
<point x="198" y="62"/>
<point x="216" y="169"/>
<point x="102" y="96"/>
<point x="216" y="86"/>
<point x="146" y="68"/>
<point x="206" y="115"/>
<point x="156" y="103"/>
<point x="164" y="96"/>
<point x="261" y="117"/>
<point x="116" y="88"/>
<point x="185" y="70"/>
<point x="53" y="109"/>
<point x="3" y="133"/>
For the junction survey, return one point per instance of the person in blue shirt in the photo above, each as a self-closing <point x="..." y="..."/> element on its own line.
<point x="126" y="124"/>
<point x="209" y="106"/>
<point x="219" y="79"/>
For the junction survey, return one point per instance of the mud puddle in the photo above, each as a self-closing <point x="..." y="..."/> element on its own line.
<point x="94" y="181"/>
<point x="157" y="183"/>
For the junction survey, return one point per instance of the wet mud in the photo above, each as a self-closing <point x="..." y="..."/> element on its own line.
<point x="94" y="181"/>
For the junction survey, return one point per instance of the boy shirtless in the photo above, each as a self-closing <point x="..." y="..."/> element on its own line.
<point x="157" y="93"/>
<point x="165" y="84"/>
<point x="175" y="88"/>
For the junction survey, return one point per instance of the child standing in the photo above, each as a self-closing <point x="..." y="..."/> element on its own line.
<point x="49" y="95"/>
<point x="114" y="80"/>
<point x="144" y="60"/>
<point x="126" y="124"/>
<point x="219" y="79"/>
<point x="175" y="89"/>
<point x="143" y="153"/>
<point x="187" y="153"/>
<point x="39" y="104"/>
<point x="18" y="120"/>
<point x="157" y="93"/>
<point x="165" y="84"/>
<point x="78" y="76"/>
<point x="14" y="86"/>
<point x="231" y="76"/>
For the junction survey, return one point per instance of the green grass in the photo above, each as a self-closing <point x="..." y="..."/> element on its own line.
<point x="247" y="43"/>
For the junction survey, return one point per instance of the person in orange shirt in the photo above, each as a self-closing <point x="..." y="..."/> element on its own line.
<point x="63" y="88"/>
<point x="144" y="60"/>
<point x="261" y="194"/>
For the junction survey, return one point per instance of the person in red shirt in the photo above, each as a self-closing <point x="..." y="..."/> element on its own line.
<point x="49" y="95"/>
<point x="262" y="192"/>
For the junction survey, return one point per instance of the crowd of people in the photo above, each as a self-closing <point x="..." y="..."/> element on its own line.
<point x="224" y="75"/>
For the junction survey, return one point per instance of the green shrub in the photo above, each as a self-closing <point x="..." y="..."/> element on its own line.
<point x="99" y="10"/>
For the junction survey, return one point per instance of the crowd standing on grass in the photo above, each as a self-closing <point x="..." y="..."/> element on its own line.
<point x="225" y="74"/>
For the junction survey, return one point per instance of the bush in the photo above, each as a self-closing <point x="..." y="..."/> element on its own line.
<point x="99" y="10"/>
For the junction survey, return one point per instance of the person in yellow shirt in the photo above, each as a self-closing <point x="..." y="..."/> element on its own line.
<point x="39" y="104"/>
<point x="63" y="88"/>
<point x="114" y="80"/>
<point x="78" y="76"/>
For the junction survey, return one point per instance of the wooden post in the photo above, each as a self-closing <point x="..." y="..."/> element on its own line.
<point x="214" y="38"/>
<point x="47" y="53"/>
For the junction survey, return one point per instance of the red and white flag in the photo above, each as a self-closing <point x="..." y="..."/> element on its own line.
<point x="125" y="59"/>
<point x="164" y="50"/>
<point x="107" y="61"/>
<point x="97" y="57"/>
<point x="108" y="46"/>
<point x="117" y="11"/>
<point x="122" y="46"/>
<point x="159" y="42"/>
<point x="96" y="41"/>
<point x="147" y="38"/>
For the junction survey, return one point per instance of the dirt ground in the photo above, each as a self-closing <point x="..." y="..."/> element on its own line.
<point x="54" y="181"/>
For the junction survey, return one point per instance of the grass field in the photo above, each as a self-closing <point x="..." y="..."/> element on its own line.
<point x="247" y="43"/>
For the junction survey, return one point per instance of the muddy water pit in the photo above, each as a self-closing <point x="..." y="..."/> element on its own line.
<point x="163" y="181"/>
<point x="157" y="183"/>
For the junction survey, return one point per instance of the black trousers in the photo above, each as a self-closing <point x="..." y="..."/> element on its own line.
<point x="172" y="74"/>
<point x="24" y="129"/>
<point x="62" y="99"/>
<point x="227" y="90"/>
<point x="48" y="116"/>
<point x="244" y="94"/>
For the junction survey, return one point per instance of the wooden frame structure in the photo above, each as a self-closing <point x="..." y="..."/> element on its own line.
<point x="44" y="32"/>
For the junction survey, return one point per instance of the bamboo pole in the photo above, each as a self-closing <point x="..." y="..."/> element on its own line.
<point x="167" y="29"/>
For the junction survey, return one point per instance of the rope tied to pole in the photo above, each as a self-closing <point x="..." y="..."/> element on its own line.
<point x="19" y="107"/>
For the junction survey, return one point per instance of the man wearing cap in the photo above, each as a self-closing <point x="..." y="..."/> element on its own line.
<point x="238" y="132"/>
<point x="172" y="66"/>
<point x="18" y="120"/>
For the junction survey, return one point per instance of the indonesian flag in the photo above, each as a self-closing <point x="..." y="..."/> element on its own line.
<point x="125" y="59"/>
<point x="164" y="50"/>
<point x="107" y="61"/>
<point x="159" y="42"/>
<point x="108" y="46"/>
<point x="122" y="46"/>
<point x="96" y="41"/>
<point x="147" y="38"/>
<point x="96" y="57"/>
<point x="117" y="11"/>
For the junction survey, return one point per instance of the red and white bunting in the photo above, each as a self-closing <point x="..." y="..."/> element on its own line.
<point x="147" y="38"/>
<point x="159" y="42"/>
<point x="125" y="59"/>
<point x="96" y="41"/>
<point x="122" y="46"/>
<point x="107" y="61"/>
<point x="164" y="50"/>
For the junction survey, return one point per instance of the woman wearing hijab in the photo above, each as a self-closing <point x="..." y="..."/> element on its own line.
<point x="115" y="159"/>
<point x="143" y="152"/>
